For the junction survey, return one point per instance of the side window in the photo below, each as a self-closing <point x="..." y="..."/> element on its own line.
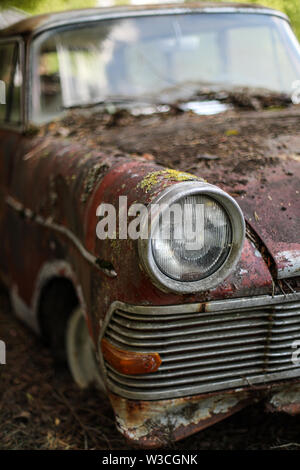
<point x="10" y="83"/>
<point x="47" y="96"/>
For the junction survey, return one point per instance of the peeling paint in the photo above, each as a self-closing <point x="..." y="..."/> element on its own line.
<point x="243" y="271"/>
<point x="171" y="418"/>
<point x="287" y="396"/>
<point x="176" y="417"/>
<point x="289" y="263"/>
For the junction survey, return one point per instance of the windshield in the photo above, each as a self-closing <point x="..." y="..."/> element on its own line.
<point x="149" y="57"/>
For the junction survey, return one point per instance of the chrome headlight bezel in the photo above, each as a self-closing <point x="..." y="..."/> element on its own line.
<point x="170" y="196"/>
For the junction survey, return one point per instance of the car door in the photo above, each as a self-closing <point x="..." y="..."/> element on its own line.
<point x="11" y="127"/>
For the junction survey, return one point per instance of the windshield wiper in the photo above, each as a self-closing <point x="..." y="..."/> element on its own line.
<point x="175" y="97"/>
<point x="114" y="100"/>
<point x="238" y="96"/>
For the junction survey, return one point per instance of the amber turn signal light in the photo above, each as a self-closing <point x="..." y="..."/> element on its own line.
<point x="128" y="362"/>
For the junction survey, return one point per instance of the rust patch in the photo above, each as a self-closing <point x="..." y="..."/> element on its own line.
<point x="286" y="400"/>
<point x="156" y="424"/>
<point x="202" y="307"/>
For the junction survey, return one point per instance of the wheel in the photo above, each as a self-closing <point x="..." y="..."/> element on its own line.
<point x="58" y="301"/>
<point x="80" y="351"/>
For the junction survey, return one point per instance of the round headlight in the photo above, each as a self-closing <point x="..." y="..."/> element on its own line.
<point x="196" y="246"/>
<point x="195" y="236"/>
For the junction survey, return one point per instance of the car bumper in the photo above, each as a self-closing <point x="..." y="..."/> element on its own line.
<point x="149" y="424"/>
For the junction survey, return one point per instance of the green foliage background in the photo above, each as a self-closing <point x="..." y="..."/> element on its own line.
<point x="290" y="7"/>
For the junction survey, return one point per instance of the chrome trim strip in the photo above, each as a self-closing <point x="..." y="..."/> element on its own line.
<point x="211" y="306"/>
<point x="188" y="391"/>
<point x="48" y="223"/>
<point x="172" y="10"/>
<point x="212" y="374"/>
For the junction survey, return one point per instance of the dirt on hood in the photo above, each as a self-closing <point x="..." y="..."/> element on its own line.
<point x="227" y="149"/>
<point x="253" y="155"/>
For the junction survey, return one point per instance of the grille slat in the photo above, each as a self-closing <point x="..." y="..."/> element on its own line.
<point x="205" y="332"/>
<point x="200" y="368"/>
<point x="203" y="351"/>
<point x="295" y="306"/>
<point x="181" y="381"/>
<point x="241" y="373"/>
<point x="207" y="342"/>
<point x="225" y="357"/>
<point x="198" y="319"/>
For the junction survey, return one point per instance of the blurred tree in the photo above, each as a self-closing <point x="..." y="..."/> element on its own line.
<point x="290" y="7"/>
<point x="43" y="6"/>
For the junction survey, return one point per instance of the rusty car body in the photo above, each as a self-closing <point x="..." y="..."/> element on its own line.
<point x="195" y="353"/>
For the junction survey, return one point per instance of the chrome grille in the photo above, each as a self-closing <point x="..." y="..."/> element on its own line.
<point x="235" y="343"/>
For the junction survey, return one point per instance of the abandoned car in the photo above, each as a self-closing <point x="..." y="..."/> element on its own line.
<point x="186" y="105"/>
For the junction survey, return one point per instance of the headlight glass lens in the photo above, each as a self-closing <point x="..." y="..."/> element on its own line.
<point x="192" y="238"/>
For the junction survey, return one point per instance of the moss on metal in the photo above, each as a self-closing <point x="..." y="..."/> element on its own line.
<point x="153" y="178"/>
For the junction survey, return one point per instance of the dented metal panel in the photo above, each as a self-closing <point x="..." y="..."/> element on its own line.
<point x="157" y="424"/>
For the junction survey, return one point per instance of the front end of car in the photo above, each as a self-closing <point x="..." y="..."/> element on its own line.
<point x="194" y="328"/>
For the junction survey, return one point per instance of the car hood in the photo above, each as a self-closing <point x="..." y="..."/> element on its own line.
<point x="253" y="155"/>
<point x="272" y="209"/>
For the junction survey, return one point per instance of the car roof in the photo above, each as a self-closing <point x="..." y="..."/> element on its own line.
<point x="35" y="24"/>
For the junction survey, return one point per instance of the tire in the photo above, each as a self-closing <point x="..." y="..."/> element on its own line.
<point x="58" y="301"/>
<point x="80" y="350"/>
